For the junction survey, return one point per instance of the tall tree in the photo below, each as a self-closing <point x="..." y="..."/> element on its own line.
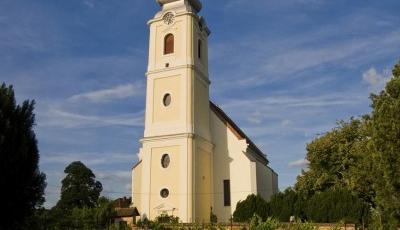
<point x="332" y="157"/>
<point x="20" y="179"/>
<point x="385" y="127"/>
<point x="79" y="187"/>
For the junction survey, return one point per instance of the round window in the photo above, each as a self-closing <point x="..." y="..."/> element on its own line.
<point x="167" y="99"/>
<point x="164" y="193"/>
<point x="165" y="161"/>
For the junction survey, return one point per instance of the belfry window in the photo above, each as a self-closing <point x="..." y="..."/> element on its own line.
<point x="169" y="44"/>
<point x="199" y="48"/>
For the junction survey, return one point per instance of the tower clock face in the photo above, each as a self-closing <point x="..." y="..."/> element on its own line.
<point x="169" y="18"/>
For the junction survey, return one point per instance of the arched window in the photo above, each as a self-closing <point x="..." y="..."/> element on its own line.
<point x="169" y="44"/>
<point x="199" y="48"/>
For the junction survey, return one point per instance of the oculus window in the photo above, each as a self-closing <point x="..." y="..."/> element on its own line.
<point x="167" y="99"/>
<point x="165" y="161"/>
<point x="164" y="193"/>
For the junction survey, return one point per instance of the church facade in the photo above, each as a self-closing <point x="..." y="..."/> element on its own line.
<point x="193" y="158"/>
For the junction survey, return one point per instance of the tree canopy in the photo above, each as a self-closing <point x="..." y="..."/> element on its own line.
<point x="362" y="156"/>
<point x="21" y="181"/>
<point x="79" y="188"/>
<point x="385" y="146"/>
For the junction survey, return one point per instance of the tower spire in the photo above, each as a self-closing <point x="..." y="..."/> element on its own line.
<point x="195" y="4"/>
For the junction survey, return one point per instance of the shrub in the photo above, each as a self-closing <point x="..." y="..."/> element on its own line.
<point x="286" y="204"/>
<point x="303" y="226"/>
<point x="164" y="221"/>
<point x="335" y="205"/>
<point x="253" y="205"/>
<point x="256" y="223"/>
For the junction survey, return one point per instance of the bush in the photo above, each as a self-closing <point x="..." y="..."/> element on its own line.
<point x="167" y="219"/>
<point x="164" y="221"/>
<point x="256" y="223"/>
<point x="303" y="226"/>
<point x="335" y="205"/>
<point x="253" y="205"/>
<point x="286" y="204"/>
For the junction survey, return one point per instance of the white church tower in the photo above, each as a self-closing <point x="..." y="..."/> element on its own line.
<point x="193" y="158"/>
<point x="177" y="125"/>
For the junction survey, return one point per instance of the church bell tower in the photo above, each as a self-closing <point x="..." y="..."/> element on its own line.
<point x="174" y="172"/>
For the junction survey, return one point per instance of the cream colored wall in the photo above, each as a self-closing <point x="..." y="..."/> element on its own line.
<point x="202" y="186"/>
<point x="162" y="86"/>
<point x="229" y="163"/>
<point x="275" y="185"/>
<point x="176" y="118"/>
<point x="158" y="30"/>
<point x="165" y="178"/>
<point x="175" y="177"/>
<point x="136" y="185"/>
<point x="232" y="159"/>
<point x="221" y="161"/>
<point x="186" y="78"/>
<point x="201" y="109"/>
<point x="265" y="185"/>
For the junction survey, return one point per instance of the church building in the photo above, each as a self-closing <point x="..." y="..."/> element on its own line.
<point x="193" y="158"/>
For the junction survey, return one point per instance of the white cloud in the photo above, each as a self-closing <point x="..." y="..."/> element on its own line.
<point x="286" y="123"/>
<point x="115" y="182"/>
<point x="302" y="163"/>
<point x="64" y="119"/>
<point x="293" y="101"/>
<point x="376" y="80"/>
<point x="255" y="118"/>
<point x="92" y="159"/>
<point x="104" y="95"/>
<point x="89" y="4"/>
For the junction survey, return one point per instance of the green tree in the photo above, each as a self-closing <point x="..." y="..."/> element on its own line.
<point x="21" y="181"/>
<point x="104" y="212"/>
<point x="253" y="205"/>
<point x="331" y="157"/>
<point x="79" y="188"/>
<point x="99" y="217"/>
<point x="385" y="127"/>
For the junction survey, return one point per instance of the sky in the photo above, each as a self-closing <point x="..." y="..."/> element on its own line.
<point x="284" y="70"/>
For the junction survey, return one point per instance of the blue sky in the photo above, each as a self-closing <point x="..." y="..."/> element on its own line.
<point x="284" y="70"/>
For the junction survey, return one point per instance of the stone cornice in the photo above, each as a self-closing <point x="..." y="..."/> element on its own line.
<point x="190" y="66"/>
<point x="167" y="137"/>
